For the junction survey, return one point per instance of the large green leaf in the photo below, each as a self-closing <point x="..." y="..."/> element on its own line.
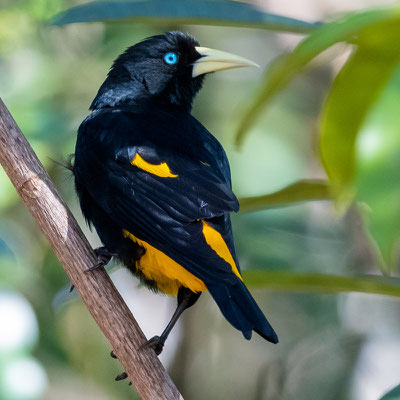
<point x="393" y="394"/>
<point x="305" y="190"/>
<point x="285" y="68"/>
<point x="378" y="172"/>
<point x="354" y="91"/>
<point x="195" y="12"/>
<point x="321" y="283"/>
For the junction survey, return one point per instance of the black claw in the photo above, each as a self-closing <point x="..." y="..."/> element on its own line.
<point x="156" y="343"/>
<point x="121" y="376"/>
<point x="103" y="256"/>
<point x="72" y="287"/>
<point x="96" y="266"/>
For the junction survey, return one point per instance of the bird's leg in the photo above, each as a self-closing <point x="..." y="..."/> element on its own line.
<point x="186" y="298"/>
<point x="103" y="258"/>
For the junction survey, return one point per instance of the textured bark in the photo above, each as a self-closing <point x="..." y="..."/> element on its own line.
<point x="75" y="254"/>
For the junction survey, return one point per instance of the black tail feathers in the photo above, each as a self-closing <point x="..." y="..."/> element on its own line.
<point x="241" y="310"/>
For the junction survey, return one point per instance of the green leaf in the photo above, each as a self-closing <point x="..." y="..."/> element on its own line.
<point x="287" y="67"/>
<point x="378" y="172"/>
<point x="393" y="394"/>
<point x="321" y="283"/>
<point x="194" y="12"/>
<point x="354" y="91"/>
<point x="304" y="190"/>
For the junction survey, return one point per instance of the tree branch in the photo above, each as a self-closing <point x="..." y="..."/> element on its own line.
<point x="75" y="254"/>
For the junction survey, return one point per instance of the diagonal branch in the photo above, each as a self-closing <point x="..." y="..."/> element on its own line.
<point x="75" y="254"/>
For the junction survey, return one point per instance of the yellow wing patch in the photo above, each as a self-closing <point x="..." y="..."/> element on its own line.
<point x="162" y="170"/>
<point x="167" y="273"/>
<point x="217" y="243"/>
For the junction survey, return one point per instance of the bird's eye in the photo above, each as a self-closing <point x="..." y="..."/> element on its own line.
<point x="171" y="58"/>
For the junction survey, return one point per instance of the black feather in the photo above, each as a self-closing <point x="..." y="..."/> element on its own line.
<point x="143" y="108"/>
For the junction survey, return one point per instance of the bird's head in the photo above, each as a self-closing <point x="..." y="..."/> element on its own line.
<point x="167" y="68"/>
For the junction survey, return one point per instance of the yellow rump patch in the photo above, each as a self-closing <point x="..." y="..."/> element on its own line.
<point x="217" y="243"/>
<point x="162" y="170"/>
<point x="167" y="273"/>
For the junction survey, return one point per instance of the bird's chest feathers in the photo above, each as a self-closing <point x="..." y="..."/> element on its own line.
<point x="167" y="273"/>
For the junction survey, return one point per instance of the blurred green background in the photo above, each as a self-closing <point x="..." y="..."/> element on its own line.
<point x="322" y="108"/>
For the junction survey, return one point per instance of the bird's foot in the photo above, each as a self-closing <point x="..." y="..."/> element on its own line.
<point x="156" y="343"/>
<point x="103" y="258"/>
<point x="122" y="375"/>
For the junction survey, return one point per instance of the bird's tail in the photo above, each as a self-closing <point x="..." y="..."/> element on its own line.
<point x="241" y="310"/>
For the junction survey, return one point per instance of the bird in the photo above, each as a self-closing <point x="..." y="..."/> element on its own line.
<point x="156" y="184"/>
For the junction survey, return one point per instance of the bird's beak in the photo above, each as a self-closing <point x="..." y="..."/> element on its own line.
<point x="215" y="60"/>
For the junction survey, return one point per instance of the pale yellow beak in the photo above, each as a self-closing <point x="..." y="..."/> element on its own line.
<point x="216" y="60"/>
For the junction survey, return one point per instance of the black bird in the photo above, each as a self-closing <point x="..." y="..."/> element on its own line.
<point x="156" y="184"/>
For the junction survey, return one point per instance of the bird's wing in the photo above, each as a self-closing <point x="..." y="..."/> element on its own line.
<point x="185" y="173"/>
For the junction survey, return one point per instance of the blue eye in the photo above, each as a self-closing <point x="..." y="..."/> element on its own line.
<point x="171" y="58"/>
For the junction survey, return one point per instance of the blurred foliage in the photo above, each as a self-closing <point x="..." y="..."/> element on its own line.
<point x="286" y="67"/>
<point x="323" y="283"/>
<point x="48" y="76"/>
<point x="360" y="82"/>
<point x="368" y="69"/>
<point x="203" y="12"/>
<point x="294" y="193"/>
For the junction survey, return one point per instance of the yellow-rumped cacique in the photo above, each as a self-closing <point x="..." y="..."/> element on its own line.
<point x="156" y="185"/>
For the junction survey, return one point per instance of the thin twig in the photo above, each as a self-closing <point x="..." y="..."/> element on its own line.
<point x="75" y="254"/>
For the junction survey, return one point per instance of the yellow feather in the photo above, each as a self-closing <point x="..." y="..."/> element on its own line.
<point x="167" y="273"/>
<point x="217" y="243"/>
<point x="162" y="170"/>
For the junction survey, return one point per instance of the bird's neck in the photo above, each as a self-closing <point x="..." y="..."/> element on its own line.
<point x="115" y="94"/>
<point x="132" y="93"/>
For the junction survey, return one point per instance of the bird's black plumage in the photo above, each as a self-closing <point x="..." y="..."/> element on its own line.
<point x="156" y="184"/>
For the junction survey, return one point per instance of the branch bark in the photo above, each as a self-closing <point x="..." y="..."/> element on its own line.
<point x="75" y="254"/>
